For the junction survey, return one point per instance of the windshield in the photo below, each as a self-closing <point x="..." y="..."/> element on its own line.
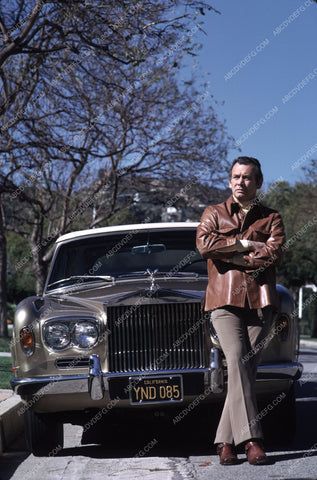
<point x="115" y="255"/>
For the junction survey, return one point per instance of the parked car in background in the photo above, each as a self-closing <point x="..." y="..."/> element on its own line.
<point x="120" y="325"/>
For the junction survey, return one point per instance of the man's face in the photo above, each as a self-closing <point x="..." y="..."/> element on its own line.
<point x="243" y="183"/>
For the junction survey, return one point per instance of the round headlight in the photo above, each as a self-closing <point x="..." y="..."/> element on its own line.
<point x="85" y="334"/>
<point x="57" y="335"/>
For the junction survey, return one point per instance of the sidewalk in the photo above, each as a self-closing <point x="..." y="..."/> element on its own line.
<point x="4" y="394"/>
<point x="11" y="423"/>
<point x="308" y="343"/>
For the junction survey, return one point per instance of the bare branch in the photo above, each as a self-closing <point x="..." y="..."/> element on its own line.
<point x="14" y="46"/>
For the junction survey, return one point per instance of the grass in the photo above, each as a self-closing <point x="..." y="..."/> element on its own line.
<point x="5" y="343"/>
<point x="308" y="337"/>
<point x="5" y="372"/>
<point x="5" y="362"/>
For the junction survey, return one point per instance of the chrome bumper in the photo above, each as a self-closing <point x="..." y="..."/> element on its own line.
<point x="282" y="371"/>
<point x="95" y="382"/>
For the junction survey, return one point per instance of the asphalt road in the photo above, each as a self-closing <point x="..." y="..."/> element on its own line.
<point x="153" y="452"/>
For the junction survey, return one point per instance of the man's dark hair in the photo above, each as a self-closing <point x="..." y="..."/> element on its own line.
<point x="249" y="161"/>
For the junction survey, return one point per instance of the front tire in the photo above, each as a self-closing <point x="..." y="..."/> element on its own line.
<point x="42" y="435"/>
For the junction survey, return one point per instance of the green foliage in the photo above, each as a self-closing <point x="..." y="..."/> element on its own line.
<point x="297" y="205"/>
<point x="21" y="278"/>
<point x="308" y="322"/>
<point x="5" y="343"/>
<point x="10" y="311"/>
<point x="5" y="372"/>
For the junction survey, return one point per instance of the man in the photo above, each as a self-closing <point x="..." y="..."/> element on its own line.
<point x="242" y="241"/>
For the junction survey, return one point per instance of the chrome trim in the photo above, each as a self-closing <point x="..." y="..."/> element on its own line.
<point x="66" y="363"/>
<point x="80" y="383"/>
<point x="216" y="371"/>
<point x="280" y="371"/>
<point x="158" y="335"/>
<point x="151" y="274"/>
<point x="52" y="385"/>
<point x="95" y="382"/>
<point x="176" y="371"/>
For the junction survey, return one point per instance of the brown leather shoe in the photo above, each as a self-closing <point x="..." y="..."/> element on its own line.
<point x="227" y="454"/>
<point x="255" y="453"/>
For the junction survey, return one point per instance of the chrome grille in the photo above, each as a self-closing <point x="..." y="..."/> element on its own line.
<point x="72" y="362"/>
<point x="155" y="337"/>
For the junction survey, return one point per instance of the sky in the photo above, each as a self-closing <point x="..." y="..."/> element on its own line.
<point x="262" y="64"/>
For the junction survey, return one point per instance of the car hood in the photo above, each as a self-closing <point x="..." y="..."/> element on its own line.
<point x="94" y="299"/>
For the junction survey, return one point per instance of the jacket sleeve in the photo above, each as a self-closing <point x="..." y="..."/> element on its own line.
<point x="209" y="240"/>
<point x="271" y="253"/>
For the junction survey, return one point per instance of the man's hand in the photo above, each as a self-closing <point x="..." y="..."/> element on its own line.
<point x="255" y="245"/>
<point x="249" y="245"/>
<point x="242" y="245"/>
<point x="238" y="246"/>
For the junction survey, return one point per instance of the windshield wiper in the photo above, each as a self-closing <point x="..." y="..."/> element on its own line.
<point x="182" y="274"/>
<point x="131" y="274"/>
<point x="82" y="278"/>
<point x="164" y="274"/>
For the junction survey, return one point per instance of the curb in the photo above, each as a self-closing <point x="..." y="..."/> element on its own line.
<point x="308" y="343"/>
<point x="11" y="424"/>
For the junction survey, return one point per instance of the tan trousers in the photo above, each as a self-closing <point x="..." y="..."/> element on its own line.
<point x="240" y="332"/>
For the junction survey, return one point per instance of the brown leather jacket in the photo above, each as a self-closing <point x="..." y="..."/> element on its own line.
<point x="220" y="226"/>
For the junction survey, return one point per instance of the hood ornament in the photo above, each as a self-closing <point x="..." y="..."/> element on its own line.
<point x="153" y="286"/>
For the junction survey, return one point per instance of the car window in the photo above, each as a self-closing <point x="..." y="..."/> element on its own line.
<point x="127" y="253"/>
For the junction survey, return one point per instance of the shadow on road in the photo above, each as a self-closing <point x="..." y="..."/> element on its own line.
<point x="124" y="436"/>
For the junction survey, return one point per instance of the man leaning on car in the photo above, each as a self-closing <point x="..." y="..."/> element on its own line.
<point x="242" y="241"/>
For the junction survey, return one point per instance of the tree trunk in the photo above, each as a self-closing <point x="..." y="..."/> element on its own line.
<point x="40" y="269"/>
<point x="3" y="280"/>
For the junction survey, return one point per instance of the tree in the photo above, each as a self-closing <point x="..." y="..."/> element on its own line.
<point x="3" y="279"/>
<point x="297" y="207"/>
<point x="91" y="96"/>
<point x="297" y="204"/>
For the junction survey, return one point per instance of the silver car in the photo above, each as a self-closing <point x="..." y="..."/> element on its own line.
<point x="120" y="326"/>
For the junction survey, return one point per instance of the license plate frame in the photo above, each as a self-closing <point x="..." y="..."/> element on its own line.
<point x="155" y="389"/>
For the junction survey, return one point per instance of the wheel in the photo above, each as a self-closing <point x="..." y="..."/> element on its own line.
<point x="279" y="425"/>
<point x="42" y="435"/>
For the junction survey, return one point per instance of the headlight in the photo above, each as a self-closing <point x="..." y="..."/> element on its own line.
<point x="57" y="335"/>
<point x="85" y="334"/>
<point x="67" y="332"/>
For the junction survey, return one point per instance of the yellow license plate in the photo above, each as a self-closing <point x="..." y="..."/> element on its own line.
<point x="155" y="389"/>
